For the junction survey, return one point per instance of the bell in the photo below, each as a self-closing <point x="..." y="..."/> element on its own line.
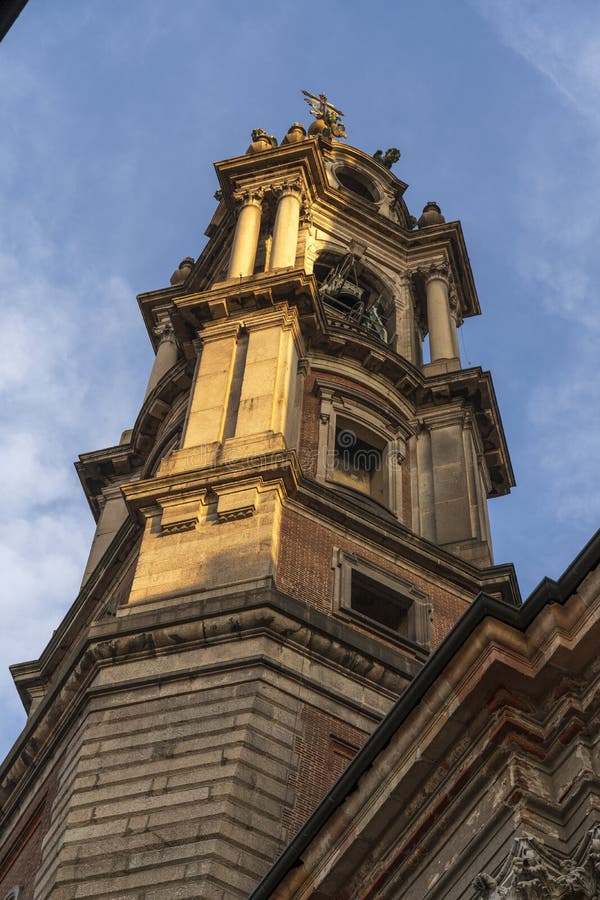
<point x="350" y="293"/>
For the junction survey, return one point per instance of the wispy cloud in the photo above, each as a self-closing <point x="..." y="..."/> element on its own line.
<point x="65" y="354"/>
<point x="56" y="398"/>
<point x="558" y="39"/>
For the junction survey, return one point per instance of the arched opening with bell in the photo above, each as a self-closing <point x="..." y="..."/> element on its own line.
<point x="352" y="295"/>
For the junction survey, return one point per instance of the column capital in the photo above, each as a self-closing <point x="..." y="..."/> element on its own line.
<point x="252" y="196"/>
<point x="439" y="271"/>
<point x="292" y="187"/>
<point x="164" y="331"/>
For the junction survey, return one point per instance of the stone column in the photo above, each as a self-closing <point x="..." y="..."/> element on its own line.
<point x="247" y="229"/>
<point x="455" y="318"/>
<point x="112" y="515"/>
<point x="441" y="343"/>
<point x="166" y="355"/>
<point x="287" y="222"/>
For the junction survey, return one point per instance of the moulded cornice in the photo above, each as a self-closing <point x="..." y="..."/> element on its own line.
<point x="231" y="298"/>
<point x="279" y="466"/>
<point x="179" y="627"/>
<point x="240" y="172"/>
<point x="392" y="537"/>
<point x="393" y="412"/>
<point x="340" y="152"/>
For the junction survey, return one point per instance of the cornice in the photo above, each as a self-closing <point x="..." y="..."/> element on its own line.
<point x="280" y="466"/>
<point x="230" y="298"/>
<point x="398" y="541"/>
<point x="181" y="626"/>
<point x="242" y="172"/>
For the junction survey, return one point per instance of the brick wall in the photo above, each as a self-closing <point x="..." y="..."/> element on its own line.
<point x="324" y="747"/>
<point x="305" y="570"/>
<point x="20" y="859"/>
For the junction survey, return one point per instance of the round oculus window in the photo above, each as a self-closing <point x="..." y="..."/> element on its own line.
<point x="356" y="183"/>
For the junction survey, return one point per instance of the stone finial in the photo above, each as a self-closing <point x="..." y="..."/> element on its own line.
<point x="295" y="134"/>
<point x="432" y="215"/>
<point x="387" y="159"/>
<point x="185" y="267"/>
<point x="261" y="141"/>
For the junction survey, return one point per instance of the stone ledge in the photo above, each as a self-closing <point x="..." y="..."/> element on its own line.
<point x="200" y="621"/>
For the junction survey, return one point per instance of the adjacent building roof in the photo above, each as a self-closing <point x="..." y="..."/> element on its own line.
<point x="548" y="592"/>
<point x="9" y="10"/>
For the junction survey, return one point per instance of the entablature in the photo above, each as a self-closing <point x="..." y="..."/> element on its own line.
<point x="345" y="340"/>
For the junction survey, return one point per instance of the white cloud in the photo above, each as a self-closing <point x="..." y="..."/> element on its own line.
<point x="65" y="355"/>
<point x="558" y="39"/>
<point x="65" y="358"/>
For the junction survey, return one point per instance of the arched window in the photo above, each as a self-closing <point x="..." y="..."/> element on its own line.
<point x="357" y="183"/>
<point x="359" y="459"/>
<point x="361" y="447"/>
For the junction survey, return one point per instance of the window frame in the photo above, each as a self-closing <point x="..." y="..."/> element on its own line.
<point x="340" y="405"/>
<point x="417" y="603"/>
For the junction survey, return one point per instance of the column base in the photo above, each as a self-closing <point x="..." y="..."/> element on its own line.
<point x="441" y="366"/>
<point x="473" y="551"/>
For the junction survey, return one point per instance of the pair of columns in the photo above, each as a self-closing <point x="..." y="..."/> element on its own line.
<point x="443" y="337"/>
<point x="285" y="230"/>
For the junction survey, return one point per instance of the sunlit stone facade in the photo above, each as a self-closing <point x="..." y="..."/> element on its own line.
<point x="285" y="537"/>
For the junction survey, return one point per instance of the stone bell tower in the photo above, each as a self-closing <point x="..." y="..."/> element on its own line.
<point x="296" y="519"/>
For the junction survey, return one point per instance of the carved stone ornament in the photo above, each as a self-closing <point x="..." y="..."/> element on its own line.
<point x="261" y="141"/>
<point x="454" y="303"/>
<point x="291" y="186"/>
<point x="534" y="872"/>
<point x="249" y="196"/>
<point x="387" y="159"/>
<point x="437" y="270"/>
<point x="164" y="331"/>
<point x="181" y="273"/>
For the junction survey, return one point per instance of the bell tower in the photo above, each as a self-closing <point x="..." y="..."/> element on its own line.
<point x="296" y="519"/>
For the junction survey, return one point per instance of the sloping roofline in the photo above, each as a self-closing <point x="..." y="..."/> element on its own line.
<point x="9" y="11"/>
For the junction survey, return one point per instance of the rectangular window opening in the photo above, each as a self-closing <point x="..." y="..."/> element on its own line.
<point x="380" y="603"/>
<point x="358" y="463"/>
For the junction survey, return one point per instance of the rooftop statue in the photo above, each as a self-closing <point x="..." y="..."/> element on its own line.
<point x="387" y="159"/>
<point x="326" y="115"/>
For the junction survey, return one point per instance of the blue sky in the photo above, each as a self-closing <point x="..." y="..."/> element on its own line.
<point x="111" y="115"/>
